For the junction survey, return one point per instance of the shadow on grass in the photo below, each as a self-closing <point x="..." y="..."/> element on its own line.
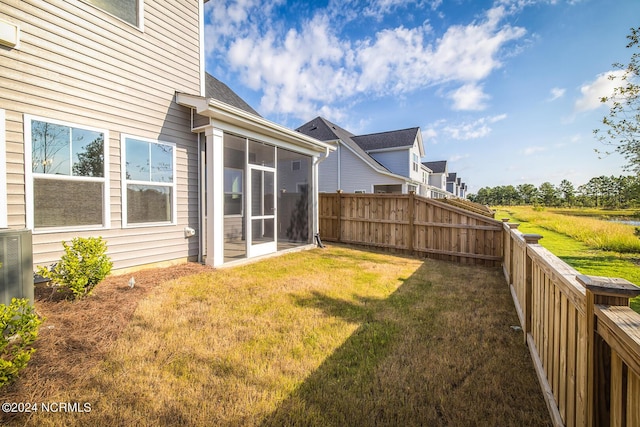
<point x="438" y="351"/>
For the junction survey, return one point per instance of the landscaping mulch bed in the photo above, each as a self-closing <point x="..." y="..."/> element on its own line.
<point x="75" y="335"/>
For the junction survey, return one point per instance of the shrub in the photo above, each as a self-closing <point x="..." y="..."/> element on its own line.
<point x="83" y="265"/>
<point x="19" y="324"/>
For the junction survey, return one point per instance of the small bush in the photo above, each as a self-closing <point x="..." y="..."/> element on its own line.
<point x="83" y="265"/>
<point x="19" y="325"/>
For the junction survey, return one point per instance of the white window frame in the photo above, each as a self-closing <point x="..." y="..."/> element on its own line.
<point x="139" y="25"/>
<point x="3" y="170"/>
<point x="30" y="175"/>
<point x="125" y="182"/>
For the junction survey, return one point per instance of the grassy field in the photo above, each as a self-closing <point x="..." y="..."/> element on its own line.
<point x="574" y="239"/>
<point x="330" y="337"/>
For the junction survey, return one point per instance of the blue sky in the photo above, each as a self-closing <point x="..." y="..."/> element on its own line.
<point x="507" y="91"/>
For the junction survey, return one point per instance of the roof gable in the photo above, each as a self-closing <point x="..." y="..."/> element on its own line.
<point x="323" y="130"/>
<point x="439" y="166"/>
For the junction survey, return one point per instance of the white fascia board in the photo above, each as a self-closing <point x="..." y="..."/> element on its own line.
<point x="382" y="150"/>
<point x="226" y="113"/>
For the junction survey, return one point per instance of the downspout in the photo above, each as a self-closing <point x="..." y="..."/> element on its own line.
<point x="339" y="153"/>
<point x="201" y="216"/>
<point x="316" y="203"/>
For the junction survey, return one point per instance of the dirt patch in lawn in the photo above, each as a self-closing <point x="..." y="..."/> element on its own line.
<point x="75" y="335"/>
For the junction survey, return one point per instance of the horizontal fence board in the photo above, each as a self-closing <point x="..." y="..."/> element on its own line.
<point x="411" y="224"/>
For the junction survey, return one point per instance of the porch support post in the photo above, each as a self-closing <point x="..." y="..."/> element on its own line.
<point x="215" y="196"/>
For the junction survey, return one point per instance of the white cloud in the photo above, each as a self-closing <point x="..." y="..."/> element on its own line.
<point x="303" y="69"/>
<point x="463" y="131"/>
<point x="532" y="150"/>
<point x="556" y="93"/>
<point x="456" y="157"/>
<point x="469" y="97"/>
<point x="593" y="92"/>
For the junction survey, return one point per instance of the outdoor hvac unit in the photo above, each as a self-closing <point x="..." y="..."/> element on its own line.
<point x="16" y="271"/>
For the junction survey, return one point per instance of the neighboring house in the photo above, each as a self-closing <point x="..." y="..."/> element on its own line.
<point x="109" y="126"/>
<point x="438" y="177"/>
<point x="463" y="190"/>
<point x="386" y="162"/>
<point x="455" y="185"/>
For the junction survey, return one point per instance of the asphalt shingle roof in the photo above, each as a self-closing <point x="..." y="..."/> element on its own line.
<point x="217" y="90"/>
<point x="389" y="139"/>
<point x="323" y="130"/>
<point x="439" y="166"/>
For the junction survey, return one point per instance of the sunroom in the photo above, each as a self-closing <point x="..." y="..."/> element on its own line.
<point x="259" y="182"/>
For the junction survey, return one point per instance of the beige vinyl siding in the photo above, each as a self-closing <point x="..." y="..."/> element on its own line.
<point x="78" y="64"/>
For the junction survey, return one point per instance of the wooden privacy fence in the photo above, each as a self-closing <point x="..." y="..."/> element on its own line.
<point x="412" y="224"/>
<point x="583" y="337"/>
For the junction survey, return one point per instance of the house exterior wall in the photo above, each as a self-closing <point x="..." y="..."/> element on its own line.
<point x="397" y="161"/>
<point x="328" y="172"/>
<point x="80" y="65"/>
<point x="356" y="175"/>
<point x="438" y="180"/>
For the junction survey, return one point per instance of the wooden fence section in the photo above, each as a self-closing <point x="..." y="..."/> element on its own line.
<point x="582" y="336"/>
<point x="411" y="224"/>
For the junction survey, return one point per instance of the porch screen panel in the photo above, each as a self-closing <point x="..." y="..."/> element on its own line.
<point x="235" y="149"/>
<point x="294" y="199"/>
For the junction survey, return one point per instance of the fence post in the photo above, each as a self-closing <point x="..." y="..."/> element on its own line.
<point x="412" y="200"/>
<point x="529" y="239"/>
<point x="339" y="215"/>
<point x="506" y="252"/>
<point x="605" y="291"/>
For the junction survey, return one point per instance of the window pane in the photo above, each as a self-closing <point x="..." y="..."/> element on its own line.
<point x="126" y="10"/>
<point x="147" y="203"/>
<point x="50" y="148"/>
<point x="88" y="153"/>
<point x="67" y="203"/>
<point x="232" y="180"/>
<point x="138" y="160"/>
<point x="161" y="163"/>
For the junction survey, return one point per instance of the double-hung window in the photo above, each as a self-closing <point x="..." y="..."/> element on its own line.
<point x="149" y="182"/>
<point x="416" y="162"/>
<point x="68" y="182"/>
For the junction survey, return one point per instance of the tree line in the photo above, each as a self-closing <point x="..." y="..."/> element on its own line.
<point x="601" y="191"/>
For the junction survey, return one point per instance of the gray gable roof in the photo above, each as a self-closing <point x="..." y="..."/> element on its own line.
<point x="452" y="177"/>
<point x="323" y="130"/>
<point x="389" y="139"/>
<point x="219" y="91"/>
<point x="439" y="166"/>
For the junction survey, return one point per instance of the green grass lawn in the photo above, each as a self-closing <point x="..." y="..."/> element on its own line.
<point x="579" y="255"/>
<point x="333" y="337"/>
